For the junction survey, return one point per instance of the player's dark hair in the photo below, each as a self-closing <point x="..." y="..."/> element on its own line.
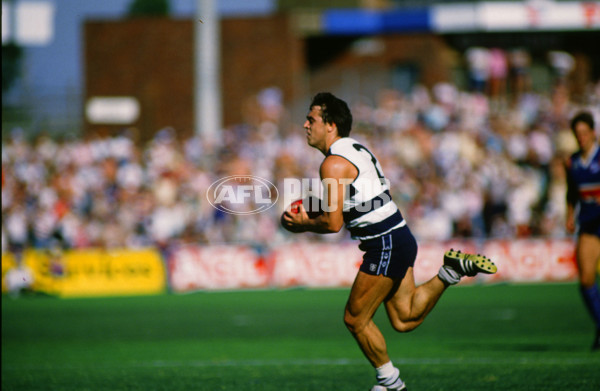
<point x="334" y="111"/>
<point x="584" y="117"/>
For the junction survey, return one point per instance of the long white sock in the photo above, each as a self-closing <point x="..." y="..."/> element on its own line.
<point x="389" y="376"/>
<point x="449" y="275"/>
<point x="386" y="370"/>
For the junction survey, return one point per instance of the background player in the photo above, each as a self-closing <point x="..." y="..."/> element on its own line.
<point x="583" y="191"/>
<point x="357" y="195"/>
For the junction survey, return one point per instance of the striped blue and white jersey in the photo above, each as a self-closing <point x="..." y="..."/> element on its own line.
<point x="369" y="210"/>
<point x="583" y="179"/>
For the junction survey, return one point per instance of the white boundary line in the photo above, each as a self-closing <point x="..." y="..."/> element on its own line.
<point x="315" y="362"/>
<point x="348" y="362"/>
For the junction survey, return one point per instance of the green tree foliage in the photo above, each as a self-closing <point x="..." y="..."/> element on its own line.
<point x="139" y="8"/>
<point x="11" y="64"/>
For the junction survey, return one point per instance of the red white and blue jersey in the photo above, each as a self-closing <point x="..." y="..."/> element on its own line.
<point x="584" y="185"/>
<point x="369" y="211"/>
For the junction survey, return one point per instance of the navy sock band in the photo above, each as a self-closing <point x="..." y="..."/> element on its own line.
<point x="591" y="297"/>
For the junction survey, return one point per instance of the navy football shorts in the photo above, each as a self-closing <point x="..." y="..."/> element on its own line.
<point x="390" y="255"/>
<point x="590" y="227"/>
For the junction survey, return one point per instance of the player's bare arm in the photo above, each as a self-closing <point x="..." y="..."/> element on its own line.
<point x="572" y="198"/>
<point x="336" y="173"/>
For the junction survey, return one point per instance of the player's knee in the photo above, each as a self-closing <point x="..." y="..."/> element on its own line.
<point x="403" y="327"/>
<point x="353" y="323"/>
<point x="349" y="321"/>
<point x="587" y="279"/>
<point x="401" y="319"/>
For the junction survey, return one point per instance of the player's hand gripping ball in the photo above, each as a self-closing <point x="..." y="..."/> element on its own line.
<point x="312" y="206"/>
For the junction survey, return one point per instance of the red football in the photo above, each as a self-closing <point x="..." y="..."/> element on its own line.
<point x="295" y="206"/>
<point x="311" y="204"/>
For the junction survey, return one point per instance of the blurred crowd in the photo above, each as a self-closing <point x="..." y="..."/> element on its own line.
<point x="460" y="165"/>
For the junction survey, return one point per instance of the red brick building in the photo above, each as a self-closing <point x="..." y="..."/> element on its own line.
<point x="152" y="60"/>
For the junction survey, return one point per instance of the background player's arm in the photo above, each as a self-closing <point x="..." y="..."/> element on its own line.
<point x="572" y="198"/>
<point x="336" y="172"/>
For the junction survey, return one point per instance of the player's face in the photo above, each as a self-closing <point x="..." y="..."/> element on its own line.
<point x="316" y="129"/>
<point x="585" y="135"/>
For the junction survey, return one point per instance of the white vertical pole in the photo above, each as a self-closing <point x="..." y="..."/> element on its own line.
<point x="12" y="21"/>
<point x="207" y="77"/>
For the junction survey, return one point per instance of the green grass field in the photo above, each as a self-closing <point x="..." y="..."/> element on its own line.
<point x="500" y="337"/>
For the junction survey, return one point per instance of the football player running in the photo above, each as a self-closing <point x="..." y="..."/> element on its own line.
<point x="357" y="195"/>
